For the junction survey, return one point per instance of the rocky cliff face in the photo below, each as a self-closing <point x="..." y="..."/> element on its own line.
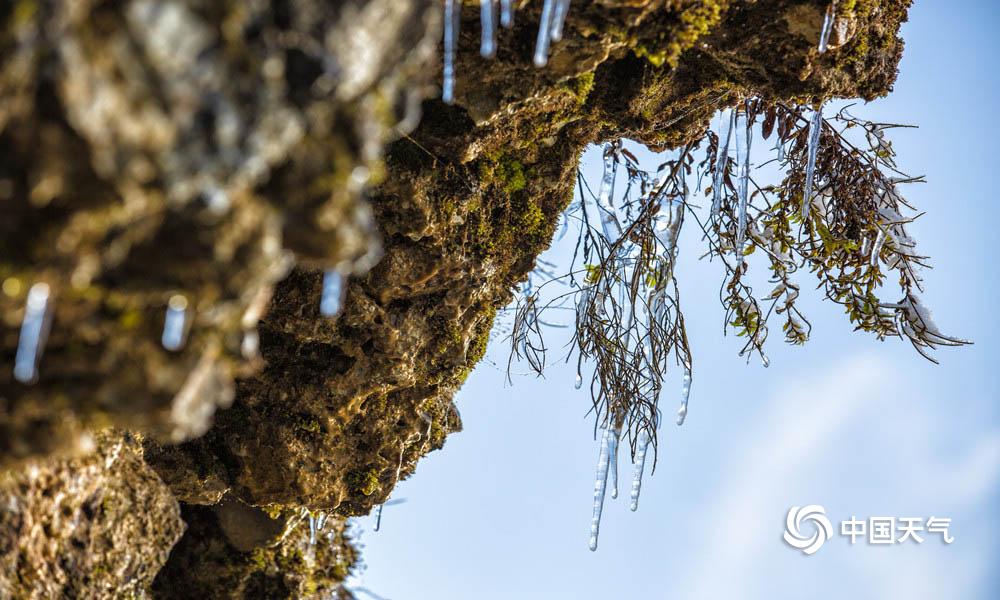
<point x="214" y="159"/>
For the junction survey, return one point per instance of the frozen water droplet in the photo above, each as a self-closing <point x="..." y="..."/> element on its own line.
<point x="579" y="381"/>
<point x="34" y="330"/>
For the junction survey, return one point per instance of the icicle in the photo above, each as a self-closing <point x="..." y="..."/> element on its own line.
<point x="640" y="465"/>
<point x="816" y="122"/>
<point x="507" y="13"/>
<point x="34" y="330"/>
<point x="600" y="485"/>
<point x="378" y="516"/>
<point x="451" y="23"/>
<point x="544" y="34"/>
<point x="815" y="127"/>
<point x="312" y="530"/>
<point x="743" y="161"/>
<point x="725" y="131"/>
<point x="685" y="394"/>
<point x="321" y="521"/>
<point x="609" y="223"/>
<point x="579" y="382"/>
<point x="487" y="12"/>
<point x="559" y="19"/>
<point x="332" y="300"/>
<point x="613" y="458"/>
<point x="877" y="247"/>
<point x="175" y="323"/>
<point x="828" y="18"/>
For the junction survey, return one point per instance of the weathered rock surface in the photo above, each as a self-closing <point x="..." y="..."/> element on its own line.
<point x="100" y="526"/>
<point x="201" y="149"/>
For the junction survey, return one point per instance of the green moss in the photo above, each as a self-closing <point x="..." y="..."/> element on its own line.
<point x="694" y="23"/>
<point x="579" y="87"/>
<point x="655" y="57"/>
<point x="510" y="173"/>
<point x="364" y="482"/>
<point x="533" y="220"/>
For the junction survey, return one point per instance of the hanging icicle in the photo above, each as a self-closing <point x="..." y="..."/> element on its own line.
<point x="877" y="246"/>
<point x="487" y="19"/>
<point x="600" y="485"/>
<point x="334" y="289"/>
<point x="34" y="330"/>
<point x="640" y="465"/>
<point x="815" y="128"/>
<point x="312" y="530"/>
<point x="559" y="19"/>
<point x="816" y="122"/>
<point x="544" y="34"/>
<point x="175" y="323"/>
<point x="685" y="394"/>
<point x="378" y="516"/>
<point x="609" y="222"/>
<point x="507" y="13"/>
<point x="452" y="18"/>
<point x="722" y="157"/>
<point x="613" y="459"/>
<point x="743" y="161"/>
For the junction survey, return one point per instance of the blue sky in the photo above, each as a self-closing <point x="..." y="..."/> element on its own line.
<point x="862" y="427"/>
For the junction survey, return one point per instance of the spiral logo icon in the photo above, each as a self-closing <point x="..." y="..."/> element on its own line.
<point x="794" y="536"/>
